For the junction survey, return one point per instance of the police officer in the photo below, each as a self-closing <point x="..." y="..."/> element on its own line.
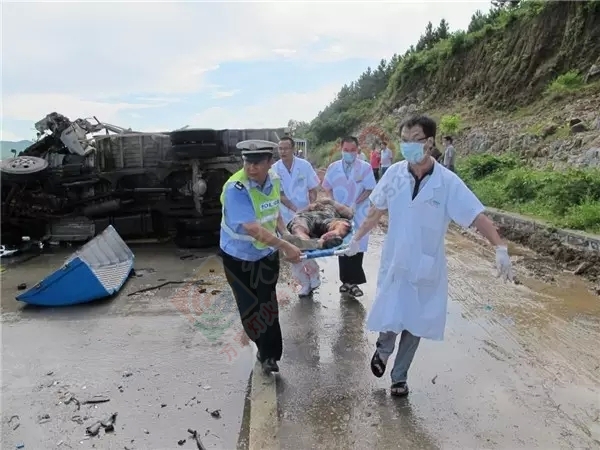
<point x="250" y="247"/>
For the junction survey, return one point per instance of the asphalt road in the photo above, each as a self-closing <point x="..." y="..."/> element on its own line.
<point x="519" y="368"/>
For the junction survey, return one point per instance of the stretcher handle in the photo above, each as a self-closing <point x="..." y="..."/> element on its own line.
<point x="322" y="254"/>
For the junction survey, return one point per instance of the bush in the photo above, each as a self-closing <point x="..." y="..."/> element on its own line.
<point x="568" y="199"/>
<point x="481" y="166"/>
<point x="450" y="125"/>
<point x="566" y="83"/>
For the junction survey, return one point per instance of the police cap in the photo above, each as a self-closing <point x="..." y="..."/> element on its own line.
<point x="255" y="150"/>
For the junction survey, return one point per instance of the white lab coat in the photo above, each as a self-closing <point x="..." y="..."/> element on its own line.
<point x="412" y="284"/>
<point x="296" y="184"/>
<point x="346" y="190"/>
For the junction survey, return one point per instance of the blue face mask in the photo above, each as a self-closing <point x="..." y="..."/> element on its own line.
<point x="413" y="152"/>
<point x="348" y="157"/>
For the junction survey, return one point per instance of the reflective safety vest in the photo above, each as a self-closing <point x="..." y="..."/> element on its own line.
<point x="266" y="207"/>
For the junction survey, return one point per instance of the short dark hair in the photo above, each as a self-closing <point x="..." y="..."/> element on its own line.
<point x="426" y="123"/>
<point x="349" y="139"/>
<point x="448" y="138"/>
<point x="288" y="138"/>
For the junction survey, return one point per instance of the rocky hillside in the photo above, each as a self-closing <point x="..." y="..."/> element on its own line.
<point x="513" y="79"/>
<point x="520" y="92"/>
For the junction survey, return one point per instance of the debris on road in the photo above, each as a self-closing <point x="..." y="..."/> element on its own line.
<point x="181" y="442"/>
<point x="433" y="379"/>
<point x="152" y="288"/>
<point x="22" y="286"/>
<point x="17" y="421"/>
<point x="195" y="436"/>
<point x="127" y="374"/>
<point x="216" y="413"/>
<point x="71" y="398"/>
<point x="96" y="399"/>
<point x="43" y="418"/>
<point x="108" y="424"/>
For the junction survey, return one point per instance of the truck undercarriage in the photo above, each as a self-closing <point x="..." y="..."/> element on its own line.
<point x="68" y="187"/>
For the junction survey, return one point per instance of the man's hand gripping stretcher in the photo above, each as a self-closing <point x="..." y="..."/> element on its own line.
<point x="322" y="225"/>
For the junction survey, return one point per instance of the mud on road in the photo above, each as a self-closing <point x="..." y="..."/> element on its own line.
<point x="519" y="367"/>
<point x="541" y="254"/>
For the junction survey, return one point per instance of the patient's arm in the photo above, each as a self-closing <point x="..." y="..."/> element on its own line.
<point x="345" y="211"/>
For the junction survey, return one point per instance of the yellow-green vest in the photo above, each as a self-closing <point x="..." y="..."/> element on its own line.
<point x="265" y="206"/>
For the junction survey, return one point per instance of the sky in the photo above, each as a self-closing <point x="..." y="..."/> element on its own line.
<point x="158" y="66"/>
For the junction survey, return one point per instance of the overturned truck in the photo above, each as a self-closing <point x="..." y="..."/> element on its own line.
<point x="68" y="187"/>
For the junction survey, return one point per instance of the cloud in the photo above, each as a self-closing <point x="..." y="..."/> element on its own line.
<point x="111" y="59"/>
<point x="36" y="106"/>
<point x="274" y="112"/>
<point x="225" y="94"/>
<point x="157" y="48"/>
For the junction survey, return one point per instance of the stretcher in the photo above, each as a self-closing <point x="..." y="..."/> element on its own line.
<point x="335" y="251"/>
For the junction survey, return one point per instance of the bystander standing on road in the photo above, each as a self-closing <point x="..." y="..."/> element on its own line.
<point x="350" y="181"/>
<point x="250" y="248"/>
<point x="361" y="155"/>
<point x="421" y="198"/>
<point x="299" y="185"/>
<point x="449" y="154"/>
<point x="375" y="162"/>
<point x="386" y="158"/>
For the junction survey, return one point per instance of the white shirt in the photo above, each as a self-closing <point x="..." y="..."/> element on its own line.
<point x="386" y="157"/>
<point x="347" y="186"/>
<point x="412" y="285"/>
<point x="295" y="184"/>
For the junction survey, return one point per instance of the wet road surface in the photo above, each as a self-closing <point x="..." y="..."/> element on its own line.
<point x="519" y="368"/>
<point x="159" y="370"/>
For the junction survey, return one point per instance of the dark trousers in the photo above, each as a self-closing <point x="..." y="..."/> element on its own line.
<point x="376" y="174"/>
<point x="254" y="287"/>
<point x="351" y="269"/>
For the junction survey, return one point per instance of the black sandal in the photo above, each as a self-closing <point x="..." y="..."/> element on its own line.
<point x="377" y="365"/>
<point x="344" y="288"/>
<point x="355" y="291"/>
<point x="399" y="389"/>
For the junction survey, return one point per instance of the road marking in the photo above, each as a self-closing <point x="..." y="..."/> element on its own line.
<point x="264" y="422"/>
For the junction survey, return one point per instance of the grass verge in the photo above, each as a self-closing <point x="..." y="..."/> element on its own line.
<point x="569" y="199"/>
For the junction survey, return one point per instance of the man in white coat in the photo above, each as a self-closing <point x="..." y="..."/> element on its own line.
<point x="350" y="181"/>
<point x="299" y="185"/>
<point x="421" y="197"/>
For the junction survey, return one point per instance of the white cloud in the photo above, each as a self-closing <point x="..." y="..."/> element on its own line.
<point x="225" y="94"/>
<point x="156" y="47"/>
<point x="37" y="106"/>
<point x="272" y="113"/>
<point x="75" y="56"/>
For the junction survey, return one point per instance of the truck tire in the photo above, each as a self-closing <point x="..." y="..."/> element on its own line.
<point x="194" y="136"/>
<point x="198" y="151"/>
<point x="23" y="167"/>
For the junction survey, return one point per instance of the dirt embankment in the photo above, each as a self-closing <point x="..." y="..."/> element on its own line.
<point x="553" y="253"/>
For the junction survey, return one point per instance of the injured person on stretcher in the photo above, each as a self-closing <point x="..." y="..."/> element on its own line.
<point x="321" y="225"/>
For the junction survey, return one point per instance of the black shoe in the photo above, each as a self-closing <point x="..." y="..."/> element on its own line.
<point x="269" y="365"/>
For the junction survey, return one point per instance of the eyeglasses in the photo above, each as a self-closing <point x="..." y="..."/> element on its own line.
<point x="417" y="140"/>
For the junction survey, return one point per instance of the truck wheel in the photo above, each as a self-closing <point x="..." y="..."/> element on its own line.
<point x="22" y="167"/>
<point x="194" y="136"/>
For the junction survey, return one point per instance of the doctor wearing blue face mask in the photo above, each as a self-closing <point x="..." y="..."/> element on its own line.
<point x="350" y="181"/>
<point x="421" y="197"/>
